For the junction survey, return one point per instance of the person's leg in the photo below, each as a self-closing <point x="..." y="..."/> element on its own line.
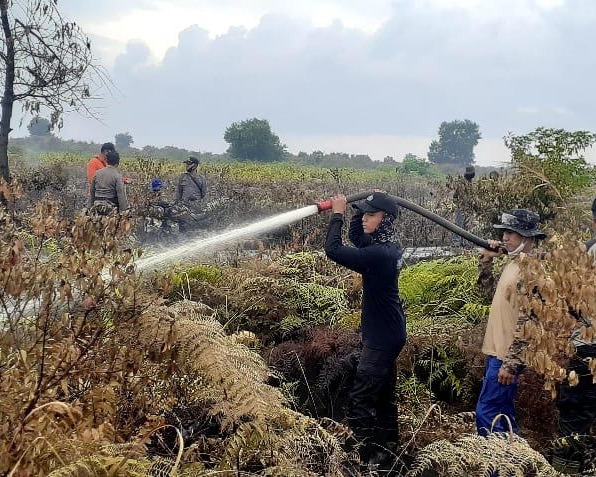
<point x="363" y="404"/>
<point x="386" y="422"/>
<point x="577" y="404"/>
<point x="577" y="408"/>
<point x="458" y="218"/>
<point x="495" y="399"/>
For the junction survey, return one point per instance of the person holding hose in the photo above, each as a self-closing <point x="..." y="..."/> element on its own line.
<point x="521" y="233"/>
<point x="377" y="255"/>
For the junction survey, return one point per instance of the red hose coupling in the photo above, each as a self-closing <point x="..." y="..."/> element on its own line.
<point x="325" y="205"/>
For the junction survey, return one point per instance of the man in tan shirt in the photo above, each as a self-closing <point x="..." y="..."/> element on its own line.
<point x="107" y="191"/>
<point x="520" y="234"/>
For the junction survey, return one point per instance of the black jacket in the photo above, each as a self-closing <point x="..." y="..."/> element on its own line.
<point x="383" y="319"/>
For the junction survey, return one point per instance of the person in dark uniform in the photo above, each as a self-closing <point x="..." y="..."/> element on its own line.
<point x="576" y="402"/>
<point x="190" y="191"/>
<point x="462" y="215"/>
<point x="377" y="255"/>
<point x="107" y="193"/>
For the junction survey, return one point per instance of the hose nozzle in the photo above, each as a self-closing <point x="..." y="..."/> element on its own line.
<point x="326" y="204"/>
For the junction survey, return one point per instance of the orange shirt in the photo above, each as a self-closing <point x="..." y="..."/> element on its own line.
<point x="95" y="164"/>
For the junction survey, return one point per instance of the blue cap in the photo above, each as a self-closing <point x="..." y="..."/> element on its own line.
<point x="157" y="184"/>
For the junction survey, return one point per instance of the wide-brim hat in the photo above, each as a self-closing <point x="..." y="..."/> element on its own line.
<point x="523" y="221"/>
<point x="378" y="201"/>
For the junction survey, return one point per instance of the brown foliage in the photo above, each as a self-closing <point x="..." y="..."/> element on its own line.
<point x="90" y="360"/>
<point x="323" y="363"/>
<point x="559" y="296"/>
<point x="62" y="359"/>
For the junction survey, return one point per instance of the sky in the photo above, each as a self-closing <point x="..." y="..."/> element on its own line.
<point x="370" y="77"/>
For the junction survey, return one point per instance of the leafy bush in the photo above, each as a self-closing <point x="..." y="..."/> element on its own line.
<point x="548" y="172"/>
<point x="317" y="304"/>
<point x="477" y="455"/>
<point x="205" y="273"/>
<point x="442" y="290"/>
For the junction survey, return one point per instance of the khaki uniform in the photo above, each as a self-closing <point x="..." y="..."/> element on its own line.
<point x="503" y="316"/>
<point x="107" y="187"/>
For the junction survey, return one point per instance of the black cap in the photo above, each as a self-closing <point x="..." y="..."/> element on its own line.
<point x="192" y="160"/>
<point x="378" y="201"/>
<point x="523" y="221"/>
<point x="107" y="146"/>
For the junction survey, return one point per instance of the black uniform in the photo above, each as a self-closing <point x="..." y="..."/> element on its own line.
<point x="372" y="412"/>
<point x="190" y="192"/>
<point x="577" y="404"/>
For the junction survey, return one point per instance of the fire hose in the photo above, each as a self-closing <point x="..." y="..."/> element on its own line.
<point x="406" y="204"/>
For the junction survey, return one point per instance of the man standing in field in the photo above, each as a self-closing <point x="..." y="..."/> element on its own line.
<point x="520" y="235"/>
<point x="372" y="409"/>
<point x="191" y="190"/>
<point x="462" y="215"/>
<point x="99" y="161"/>
<point x="107" y="192"/>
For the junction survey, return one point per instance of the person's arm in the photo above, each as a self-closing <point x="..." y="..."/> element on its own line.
<point x="90" y="170"/>
<point x="178" y="193"/>
<point x="121" y="194"/>
<point x="356" y="233"/>
<point x="355" y="259"/>
<point x="203" y="188"/>
<point x="513" y="361"/>
<point x="486" y="279"/>
<point x="91" y="193"/>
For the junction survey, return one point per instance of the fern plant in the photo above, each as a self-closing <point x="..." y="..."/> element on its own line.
<point x="443" y="289"/>
<point x="494" y="455"/>
<point x="444" y="370"/>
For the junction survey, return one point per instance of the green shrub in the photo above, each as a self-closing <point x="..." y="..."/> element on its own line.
<point x="443" y="289"/>
<point x="317" y="304"/>
<point x="204" y="273"/>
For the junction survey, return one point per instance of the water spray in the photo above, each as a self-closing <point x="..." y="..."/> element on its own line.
<point x="199" y="246"/>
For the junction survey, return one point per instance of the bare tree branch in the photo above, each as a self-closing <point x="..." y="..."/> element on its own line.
<point x="46" y="64"/>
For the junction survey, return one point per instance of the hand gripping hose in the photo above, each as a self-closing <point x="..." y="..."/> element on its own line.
<point x="326" y="205"/>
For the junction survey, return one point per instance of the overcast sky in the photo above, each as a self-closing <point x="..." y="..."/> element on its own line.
<point x="374" y="76"/>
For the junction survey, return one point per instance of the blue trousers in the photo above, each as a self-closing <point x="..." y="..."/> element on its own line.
<point x="495" y="399"/>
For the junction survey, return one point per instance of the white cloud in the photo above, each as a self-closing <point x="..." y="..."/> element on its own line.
<point x="157" y="22"/>
<point x="343" y="86"/>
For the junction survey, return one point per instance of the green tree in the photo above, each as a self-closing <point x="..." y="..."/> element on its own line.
<point x="253" y="140"/>
<point x="456" y="143"/>
<point x="45" y="64"/>
<point x="39" y="126"/>
<point x="553" y="159"/>
<point x="412" y="164"/>
<point x="123" y="140"/>
<point x="549" y="173"/>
